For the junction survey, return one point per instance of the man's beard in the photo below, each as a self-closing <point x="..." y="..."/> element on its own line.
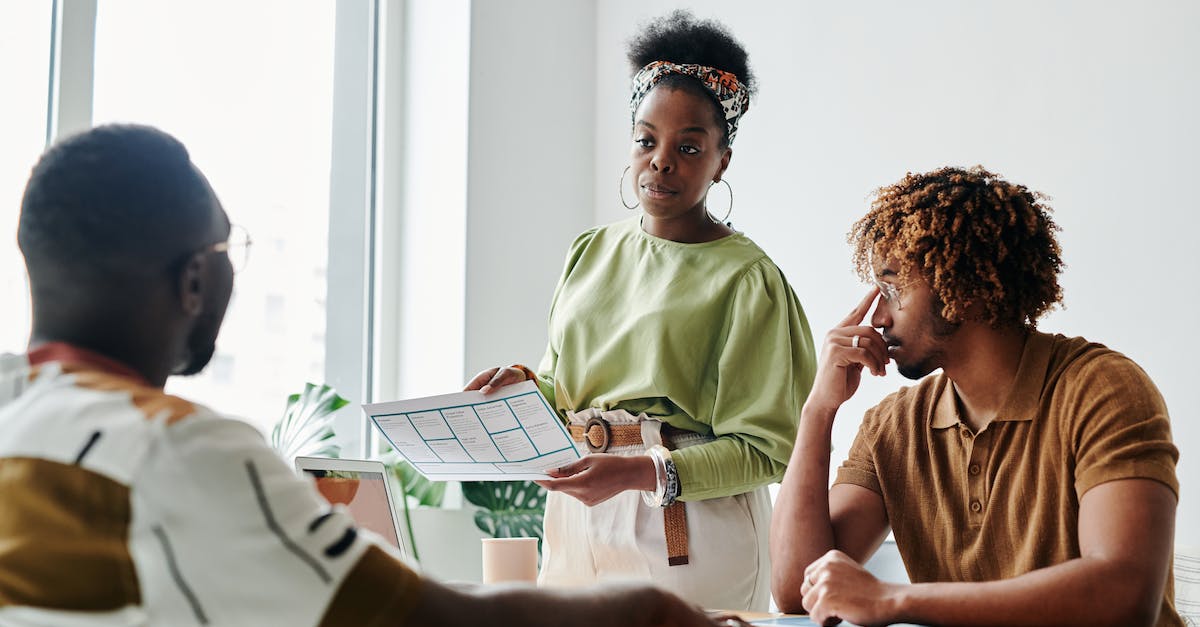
<point x="917" y="370"/>
<point x="939" y="328"/>
<point x="193" y="362"/>
<point x="199" y="351"/>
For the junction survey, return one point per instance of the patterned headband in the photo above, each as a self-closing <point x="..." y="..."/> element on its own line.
<point x="725" y="86"/>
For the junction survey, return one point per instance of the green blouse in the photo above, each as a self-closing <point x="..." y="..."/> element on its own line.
<point x="706" y="337"/>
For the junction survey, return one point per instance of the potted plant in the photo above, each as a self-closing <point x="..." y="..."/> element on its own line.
<point x="306" y="427"/>
<point x="508" y="509"/>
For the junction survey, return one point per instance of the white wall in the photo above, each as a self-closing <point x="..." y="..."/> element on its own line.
<point x="530" y="168"/>
<point x="1092" y="103"/>
<point x="497" y="172"/>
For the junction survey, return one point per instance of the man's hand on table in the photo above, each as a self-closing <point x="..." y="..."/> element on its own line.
<point x="838" y="588"/>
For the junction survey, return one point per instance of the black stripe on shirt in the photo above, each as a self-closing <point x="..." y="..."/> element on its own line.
<point x="339" y="547"/>
<point x="87" y="447"/>
<point x="273" y="525"/>
<point x="173" y="566"/>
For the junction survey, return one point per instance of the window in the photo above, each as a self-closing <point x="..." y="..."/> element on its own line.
<point x="25" y="39"/>
<point x="248" y="88"/>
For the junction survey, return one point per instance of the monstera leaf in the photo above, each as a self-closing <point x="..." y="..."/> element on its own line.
<point x="306" y="427"/>
<point x="511" y="509"/>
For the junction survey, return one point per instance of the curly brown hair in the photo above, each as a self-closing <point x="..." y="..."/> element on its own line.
<point x="974" y="237"/>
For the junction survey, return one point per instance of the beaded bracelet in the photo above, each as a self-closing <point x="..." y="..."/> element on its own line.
<point x="672" y="489"/>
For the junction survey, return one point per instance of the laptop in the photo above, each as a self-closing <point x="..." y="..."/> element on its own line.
<point x="363" y="488"/>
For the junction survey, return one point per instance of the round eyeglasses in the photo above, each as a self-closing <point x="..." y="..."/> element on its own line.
<point x="236" y="247"/>
<point x="889" y="293"/>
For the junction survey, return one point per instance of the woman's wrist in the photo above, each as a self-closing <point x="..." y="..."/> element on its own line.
<point x="645" y="475"/>
<point x="530" y="375"/>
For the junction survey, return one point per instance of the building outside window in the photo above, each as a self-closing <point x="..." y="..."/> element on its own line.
<point x="248" y="88"/>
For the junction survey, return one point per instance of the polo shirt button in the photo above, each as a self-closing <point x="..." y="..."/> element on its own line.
<point x="974" y="469"/>
<point x="976" y="506"/>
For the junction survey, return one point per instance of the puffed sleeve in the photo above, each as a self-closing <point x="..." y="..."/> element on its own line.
<point x="764" y="371"/>
<point x="549" y="364"/>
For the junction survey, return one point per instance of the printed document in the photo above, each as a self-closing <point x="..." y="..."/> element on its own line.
<point x="510" y="434"/>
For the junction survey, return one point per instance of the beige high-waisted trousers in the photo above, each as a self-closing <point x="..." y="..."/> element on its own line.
<point x="622" y="539"/>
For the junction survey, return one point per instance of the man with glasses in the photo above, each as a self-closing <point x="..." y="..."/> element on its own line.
<point x="122" y="505"/>
<point x="1031" y="482"/>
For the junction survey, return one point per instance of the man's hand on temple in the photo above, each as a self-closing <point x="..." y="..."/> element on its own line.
<point x="848" y="349"/>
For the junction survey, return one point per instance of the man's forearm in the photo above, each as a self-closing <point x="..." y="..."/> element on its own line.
<point x="1083" y="591"/>
<point x="801" y="530"/>
<point x="1126" y="532"/>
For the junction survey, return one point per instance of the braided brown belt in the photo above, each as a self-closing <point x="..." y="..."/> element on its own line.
<point x="600" y="435"/>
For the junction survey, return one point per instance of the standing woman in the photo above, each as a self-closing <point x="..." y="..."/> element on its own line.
<point x="678" y="352"/>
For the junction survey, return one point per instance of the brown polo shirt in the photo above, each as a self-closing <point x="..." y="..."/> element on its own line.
<point x="996" y="504"/>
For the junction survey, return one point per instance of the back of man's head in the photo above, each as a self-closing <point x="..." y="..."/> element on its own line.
<point x="110" y="205"/>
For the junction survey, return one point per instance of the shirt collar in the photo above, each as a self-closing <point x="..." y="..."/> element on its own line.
<point x="945" y="410"/>
<point x="71" y="355"/>
<point x="1024" y="398"/>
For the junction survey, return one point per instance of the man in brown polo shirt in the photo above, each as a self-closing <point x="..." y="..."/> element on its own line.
<point x="1031" y="482"/>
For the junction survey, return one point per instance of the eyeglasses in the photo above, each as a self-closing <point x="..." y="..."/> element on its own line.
<point x="889" y="293"/>
<point x="237" y="247"/>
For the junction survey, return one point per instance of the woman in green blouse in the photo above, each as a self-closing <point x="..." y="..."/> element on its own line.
<point x="678" y="352"/>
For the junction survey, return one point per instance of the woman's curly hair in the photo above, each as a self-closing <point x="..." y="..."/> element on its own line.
<point x="974" y="237"/>
<point x="679" y="37"/>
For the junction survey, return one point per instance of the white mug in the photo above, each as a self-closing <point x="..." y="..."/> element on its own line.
<point x="510" y="559"/>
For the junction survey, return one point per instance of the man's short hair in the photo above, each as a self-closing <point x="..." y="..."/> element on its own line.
<point x="112" y="200"/>
<point x="974" y="237"/>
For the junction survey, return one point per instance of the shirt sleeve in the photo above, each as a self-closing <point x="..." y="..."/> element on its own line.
<point x="859" y="467"/>
<point x="545" y="374"/>
<point x="1121" y="426"/>
<point x="378" y="592"/>
<point x="253" y="543"/>
<point x="549" y="364"/>
<point x="764" y="372"/>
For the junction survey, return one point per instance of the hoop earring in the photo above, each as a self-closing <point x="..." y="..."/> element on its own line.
<point x="621" y="191"/>
<point x="725" y="219"/>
